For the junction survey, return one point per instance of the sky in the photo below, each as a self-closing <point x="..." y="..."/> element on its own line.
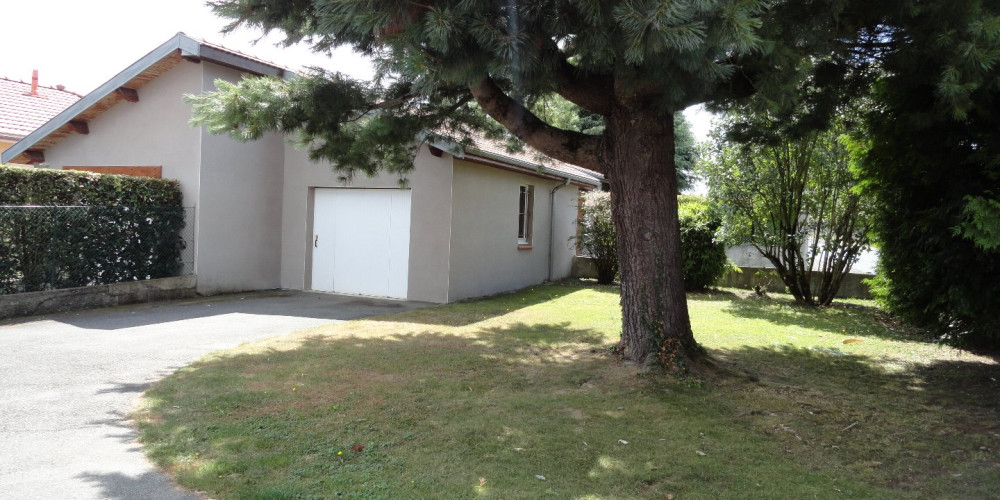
<point x="82" y="44"/>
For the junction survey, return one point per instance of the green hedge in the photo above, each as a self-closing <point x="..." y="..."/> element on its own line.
<point x="61" y="229"/>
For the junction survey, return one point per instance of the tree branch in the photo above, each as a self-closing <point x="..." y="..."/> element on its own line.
<point x="563" y="145"/>
<point x="591" y="92"/>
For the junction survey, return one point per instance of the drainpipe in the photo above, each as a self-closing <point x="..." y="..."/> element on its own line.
<point x="552" y="220"/>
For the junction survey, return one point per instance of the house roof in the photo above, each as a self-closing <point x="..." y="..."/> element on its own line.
<point x="125" y="86"/>
<point x="526" y="159"/>
<point x="21" y="111"/>
<point x="534" y="159"/>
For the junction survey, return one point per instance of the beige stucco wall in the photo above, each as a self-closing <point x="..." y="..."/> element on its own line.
<point x="239" y="207"/>
<point x="485" y="258"/>
<point x="430" y="183"/>
<point x="430" y="233"/>
<point x="564" y="237"/>
<point x="237" y="246"/>
<point x="122" y="135"/>
<point x="253" y="201"/>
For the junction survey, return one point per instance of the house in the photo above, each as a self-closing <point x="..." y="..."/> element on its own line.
<point x="470" y="222"/>
<point x="26" y="106"/>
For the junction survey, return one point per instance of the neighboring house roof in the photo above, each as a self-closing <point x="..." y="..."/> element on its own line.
<point x="22" y="111"/>
<point x="124" y="87"/>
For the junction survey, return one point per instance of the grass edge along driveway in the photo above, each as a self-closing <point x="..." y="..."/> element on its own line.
<point x="518" y="396"/>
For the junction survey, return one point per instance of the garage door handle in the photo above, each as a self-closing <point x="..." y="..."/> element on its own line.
<point x="316" y="242"/>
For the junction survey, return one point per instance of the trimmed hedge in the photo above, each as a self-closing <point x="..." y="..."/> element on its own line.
<point x="36" y="186"/>
<point x="61" y="229"/>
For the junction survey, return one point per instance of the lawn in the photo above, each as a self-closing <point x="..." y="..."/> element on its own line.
<point x="519" y="396"/>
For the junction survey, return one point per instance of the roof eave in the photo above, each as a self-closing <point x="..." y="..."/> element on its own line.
<point x="458" y="151"/>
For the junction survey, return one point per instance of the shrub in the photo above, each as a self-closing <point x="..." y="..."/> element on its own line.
<point x="704" y="259"/>
<point x="598" y="235"/>
<point x="62" y="229"/>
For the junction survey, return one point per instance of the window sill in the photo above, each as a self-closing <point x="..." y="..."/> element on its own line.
<point x="522" y="246"/>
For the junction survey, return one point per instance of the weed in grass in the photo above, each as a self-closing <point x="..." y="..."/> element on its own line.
<point x="479" y="399"/>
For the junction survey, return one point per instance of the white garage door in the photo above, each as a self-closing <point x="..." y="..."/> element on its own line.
<point x="361" y="241"/>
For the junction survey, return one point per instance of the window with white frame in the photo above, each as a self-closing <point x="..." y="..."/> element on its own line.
<point x="525" y="205"/>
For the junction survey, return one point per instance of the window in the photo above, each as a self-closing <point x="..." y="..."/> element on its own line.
<point x="525" y="205"/>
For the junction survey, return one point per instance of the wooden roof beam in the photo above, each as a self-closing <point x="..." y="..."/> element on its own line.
<point x="79" y="127"/>
<point x="35" y="156"/>
<point x="130" y="95"/>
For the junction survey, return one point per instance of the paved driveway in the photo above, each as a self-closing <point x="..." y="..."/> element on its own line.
<point x="67" y="383"/>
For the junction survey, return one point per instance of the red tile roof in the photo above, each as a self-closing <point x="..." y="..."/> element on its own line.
<point x="21" y="113"/>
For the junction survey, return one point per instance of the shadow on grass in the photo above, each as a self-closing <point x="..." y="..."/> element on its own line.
<point x="542" y="333"/>
<point x="441" y="415"/>
<point x="959" y="385"/>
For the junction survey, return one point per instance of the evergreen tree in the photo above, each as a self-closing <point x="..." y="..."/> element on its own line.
<point x="635" y="63"/>
<point x="563" y="114"/>
<point x="931" y="159"/>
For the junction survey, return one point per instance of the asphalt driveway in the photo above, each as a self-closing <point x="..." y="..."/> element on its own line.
<point x="68" y="381"/>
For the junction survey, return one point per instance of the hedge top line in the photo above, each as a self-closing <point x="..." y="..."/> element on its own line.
<point x="26" y="186"/>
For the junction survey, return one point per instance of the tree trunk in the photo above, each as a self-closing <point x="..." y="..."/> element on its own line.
<point x="639" y="161"/>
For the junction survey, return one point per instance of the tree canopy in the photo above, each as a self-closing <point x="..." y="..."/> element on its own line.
<point x="930" y="157"/>
<point x="443" y="65"/>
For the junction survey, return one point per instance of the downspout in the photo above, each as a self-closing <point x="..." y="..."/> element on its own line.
<point x="552" y="221"/>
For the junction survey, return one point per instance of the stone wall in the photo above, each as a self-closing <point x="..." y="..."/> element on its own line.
<point x="89" y="297"/>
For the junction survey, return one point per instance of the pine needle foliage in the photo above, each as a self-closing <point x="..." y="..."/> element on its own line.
<point x="932" y="162"/>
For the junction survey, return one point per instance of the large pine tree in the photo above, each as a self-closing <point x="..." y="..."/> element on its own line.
<point x="442" y="63"/>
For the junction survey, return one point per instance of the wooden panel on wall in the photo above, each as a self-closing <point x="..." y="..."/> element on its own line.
<point x="133" y="171"/>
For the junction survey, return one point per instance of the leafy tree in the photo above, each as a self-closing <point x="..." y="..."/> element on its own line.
<point x="795" y="201"/>
<point x="932" y="162"/>
<point x="635" y="63"/>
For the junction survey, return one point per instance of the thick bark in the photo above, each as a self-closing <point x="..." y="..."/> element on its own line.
<point x="636" y="155"/>
<point x="639" y="161"/>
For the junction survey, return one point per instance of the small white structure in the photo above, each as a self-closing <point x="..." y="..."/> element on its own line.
<point x="470" y="223"/>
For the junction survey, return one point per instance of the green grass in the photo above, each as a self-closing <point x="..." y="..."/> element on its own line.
<point x="474" y="400"/>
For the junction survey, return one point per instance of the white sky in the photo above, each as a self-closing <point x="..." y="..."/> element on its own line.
<point x="82" y="44"/>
